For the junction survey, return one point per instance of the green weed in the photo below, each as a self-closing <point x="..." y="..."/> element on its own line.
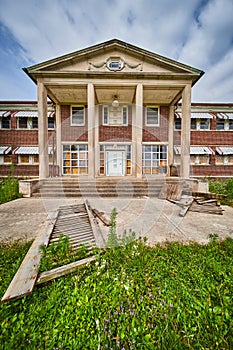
<point x="132" y="297"/>
<point x="9" y="188"/>
<point x="223" y="187"/>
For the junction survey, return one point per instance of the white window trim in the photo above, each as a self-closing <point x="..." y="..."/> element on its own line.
<point x="197" y="159"/>
<point x="198" y="125"/>
<point x="31" y="159"/>
<point x="149" y="107"/>
<point x="2" y="160"/>
<point x="226" y="125"/>
<point x="84" y="115"/>
<point x="28" y="124"/>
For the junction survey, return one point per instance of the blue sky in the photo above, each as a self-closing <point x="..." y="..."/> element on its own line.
<point x="196" y="32"/>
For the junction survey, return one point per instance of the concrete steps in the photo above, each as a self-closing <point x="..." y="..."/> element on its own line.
<point x="105" y="187"/>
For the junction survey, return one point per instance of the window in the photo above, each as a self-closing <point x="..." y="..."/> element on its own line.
<point x="152" y="116"/>
<point x="199" y="159"/>
<point x="204" y="124"/>
<point x="105" y="115"/>
<point x="51" y="122"/>
<point x="154" y="159"/>
<point x="177" y="123"/>
<point x="77" y="115"/>
<point x="224" y="124"/>
<point x="75" y="159"/>
<point x="28" y="159"/>
<point x="115" y="115"/>
<point x="5" y="122"/>
<point x="5" y="159"/>
<point x="193" y="124"/>
<point x="125" y="115"/>
<point x="220" y="124"/>
<point x="34" y="123"/>
<point x="22" y="122"/>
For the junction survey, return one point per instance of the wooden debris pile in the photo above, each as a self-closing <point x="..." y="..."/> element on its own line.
<point x="79" y="224"/>
<point x="192" y="201"/>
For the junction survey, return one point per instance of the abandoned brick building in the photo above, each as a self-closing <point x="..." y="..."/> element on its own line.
<point x="115" y="110"/>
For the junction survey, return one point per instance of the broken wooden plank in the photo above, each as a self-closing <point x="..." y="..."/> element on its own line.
<point x="206" y="201"/>
<point x="209" y="195"/>
<point x="206" y="209"/>
<point x="25" y="278"/>
<point x="95" y="227"/>
<point x="185" y="209"/>
<point x="63" y="270"/>
<point x="101" y="217"/>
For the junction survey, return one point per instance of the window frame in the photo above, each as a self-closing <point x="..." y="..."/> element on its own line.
<point x="8" y="118"/>
<point x="105" y="109"/>
<point x="151" y="107"/>
<point x="31" y="159"/>
<point x="200" y="122"/>
<point x="106" y="119"/>
<point x="81" y="107"/>
<point x="18" y="123"/>
<point x="53" y="127"/>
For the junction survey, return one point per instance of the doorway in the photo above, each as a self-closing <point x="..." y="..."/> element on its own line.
<point x="115" y="163"/>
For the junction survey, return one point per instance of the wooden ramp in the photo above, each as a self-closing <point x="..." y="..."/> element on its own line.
<point x="73" y="221"/>
<point x="76" y="222"/>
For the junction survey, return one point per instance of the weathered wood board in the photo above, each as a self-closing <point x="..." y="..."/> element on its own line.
<point x="25" y="277"/>
<point x="63" y="270"/>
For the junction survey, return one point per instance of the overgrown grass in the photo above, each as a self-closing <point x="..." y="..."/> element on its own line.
<point x="9" y="188"/>
<point x="224" y="187"/>
<point x="60" y="253"/>
<point x="133" y="297"/>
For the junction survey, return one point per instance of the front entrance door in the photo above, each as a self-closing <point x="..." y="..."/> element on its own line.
<point x="115" y="163"/>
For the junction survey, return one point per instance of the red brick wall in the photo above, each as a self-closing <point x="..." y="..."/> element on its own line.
<point x="160" y="133"/>
<point x="207" y="138"/>
<point x="72" y="133"/>
<point x="211" y="170"/>
<point x="16" y="137"/>
<point x="20" y="170"/>
<point x="215" y="138"/>
<point x="115" y="133"/>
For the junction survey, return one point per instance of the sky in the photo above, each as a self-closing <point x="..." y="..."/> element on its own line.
<point x="198" y="33"/>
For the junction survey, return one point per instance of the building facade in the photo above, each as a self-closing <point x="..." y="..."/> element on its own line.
<point x="115" y="112"/>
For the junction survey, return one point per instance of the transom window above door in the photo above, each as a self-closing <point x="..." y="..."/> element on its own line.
<point x="77" y="115"/>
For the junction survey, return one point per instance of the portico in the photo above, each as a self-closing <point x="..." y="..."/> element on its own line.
<point x="97" y="137"/>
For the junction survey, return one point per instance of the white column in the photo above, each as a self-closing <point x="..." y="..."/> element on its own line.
<point x="91" y="129"/>
<point x="185" y="132"/>
<point x="43" y="131"/>
<point x="137" y="125"/>
<point x="96" y="140"/>
<point x="170" y="137"/>
<point x="58" y="137"/>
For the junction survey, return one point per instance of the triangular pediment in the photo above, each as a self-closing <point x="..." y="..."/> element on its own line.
<point x="113" y="56"/>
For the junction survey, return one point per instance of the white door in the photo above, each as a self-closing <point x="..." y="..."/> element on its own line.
<point x="115" y="163"/>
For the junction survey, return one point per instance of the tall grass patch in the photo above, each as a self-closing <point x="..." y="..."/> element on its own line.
<point x="9" y="188"/>
<point x="132" y="297"/>
<point x="223" y="187"/>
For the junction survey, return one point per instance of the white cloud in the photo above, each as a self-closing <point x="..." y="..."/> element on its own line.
<point x="196" y="32"/>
